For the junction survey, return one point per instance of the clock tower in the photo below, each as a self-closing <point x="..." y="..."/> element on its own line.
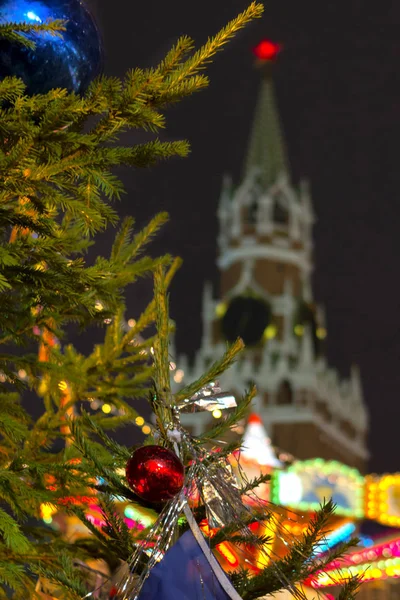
<point x="265" y="297"/>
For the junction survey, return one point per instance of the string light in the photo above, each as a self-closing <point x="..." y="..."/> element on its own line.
<point x="381" y="495"/>
<point x="146" y="430"/>
<point x="270" y="332"/>
<point x="22" y="374"/>
<point x="221" y="309"/>
<point x="98" y="306"/>
<point x="321" y="333"/>
<point x="131" y="323"/>
<point x="179" y="375"/>
<point x="139" y="421"/>
<point x="134" y="514"/>
<point x="106" y="408"/>
<point x="217" y="414"/>
<point x="172" y="366"/>
<point x="47" y="511"/>
<point x="299" y="330"/>
<point x="62" y="385"/>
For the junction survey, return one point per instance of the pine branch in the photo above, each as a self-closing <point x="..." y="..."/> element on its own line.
<point x="214" y="44"/>
<point x="253" y="484"/>
<point x="350" y="589"/>
<point x="17" y="32"/>
<point x="214" y="372"/>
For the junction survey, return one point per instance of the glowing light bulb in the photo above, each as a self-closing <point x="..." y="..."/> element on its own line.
<point x="146" y="430"/>
<point x="47" y="511"/>
<point x="299" y="330"/>
<point x="62" y="385"/>
<point x="267" y="50"/>
<point x="321" y="333"/>
<point x="270" y="332"/>
<point x="33" y="17"/>
<point x="172" y="366"/>
<point x="179" y="375"/>
<point x="99" y="306"/>
<point x="221" y="309"/>
<point x="139" y="421"/>
<point x="131" y="322"/>
<point x="106" y="408"/>
<point x="217" y="414"/>
<point x="22" y="374"/>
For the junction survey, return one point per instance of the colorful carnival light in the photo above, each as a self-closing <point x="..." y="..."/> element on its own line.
<point x="379" y="562"/>
<point x="305" y="485"/>
<point x="383" y="499"/>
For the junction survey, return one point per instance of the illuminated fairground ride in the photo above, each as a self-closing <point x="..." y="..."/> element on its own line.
<point x="293" y="494"/>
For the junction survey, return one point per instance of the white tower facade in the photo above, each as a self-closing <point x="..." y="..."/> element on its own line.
<point x="265" y="297"/>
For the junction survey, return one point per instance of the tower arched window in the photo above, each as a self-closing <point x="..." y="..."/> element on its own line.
<point x="285" y="393"/>
<point x="252" y="213"/>
<point x="280" y="214"/>
<point x="252" y="205"/>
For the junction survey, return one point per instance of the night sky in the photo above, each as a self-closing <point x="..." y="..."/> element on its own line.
<point x="338" y="89"/>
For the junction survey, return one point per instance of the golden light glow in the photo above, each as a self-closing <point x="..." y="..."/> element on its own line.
<point x="221" y="309"/>
<point x="47" y="511"/>
<point x="139" y="421"/>
<point x="179" y="375"/>
<point x="22" y="373"/>
<point x="99" y="306"/>
<point x="321" y="333"/>
<point x="217" y="414"/>
<point x="381" y="499"/>
<point x="62" y="385"/>
<point x="299" y="330"/>
<point x="40" y="266"/>
<point x="131" y="322"/>
<point x="146" y="430"/>
<point x="270" y="332"/>
<point x="172" y="366"/>
<point x="106" y="408"/>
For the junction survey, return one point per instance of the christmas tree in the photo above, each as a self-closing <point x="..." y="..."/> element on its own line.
<point x="58" y="151"/>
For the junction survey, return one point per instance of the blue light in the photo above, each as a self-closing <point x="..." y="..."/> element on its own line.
<point x="33" y="17"/>
<point x="367" y="542"/>
<point x="335" y="537"/>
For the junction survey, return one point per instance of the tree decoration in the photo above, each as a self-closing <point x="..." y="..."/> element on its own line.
<point x="155" y="473"/>
<point x="226" y="505"/>
<point x="246" y="317"/>
<point x="70" y="59"/>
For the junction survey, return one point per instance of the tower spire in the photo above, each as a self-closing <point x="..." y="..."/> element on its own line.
<point x="266" y="151"/>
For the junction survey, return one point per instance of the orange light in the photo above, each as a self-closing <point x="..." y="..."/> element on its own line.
<point x="228" y="555"/>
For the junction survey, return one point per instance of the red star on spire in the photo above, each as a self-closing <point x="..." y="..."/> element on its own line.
<point x="267" y="50"/>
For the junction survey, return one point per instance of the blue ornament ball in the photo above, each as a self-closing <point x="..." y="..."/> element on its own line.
<point x="70" y="62"/>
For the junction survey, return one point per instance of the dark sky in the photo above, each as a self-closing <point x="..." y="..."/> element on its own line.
<point x="338" y="88"/>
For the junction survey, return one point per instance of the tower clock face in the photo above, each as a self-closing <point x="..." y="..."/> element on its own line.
<point x="247" y="318"/>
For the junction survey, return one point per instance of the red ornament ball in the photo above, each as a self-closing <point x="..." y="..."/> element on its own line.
<point x="155" y="474"/>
